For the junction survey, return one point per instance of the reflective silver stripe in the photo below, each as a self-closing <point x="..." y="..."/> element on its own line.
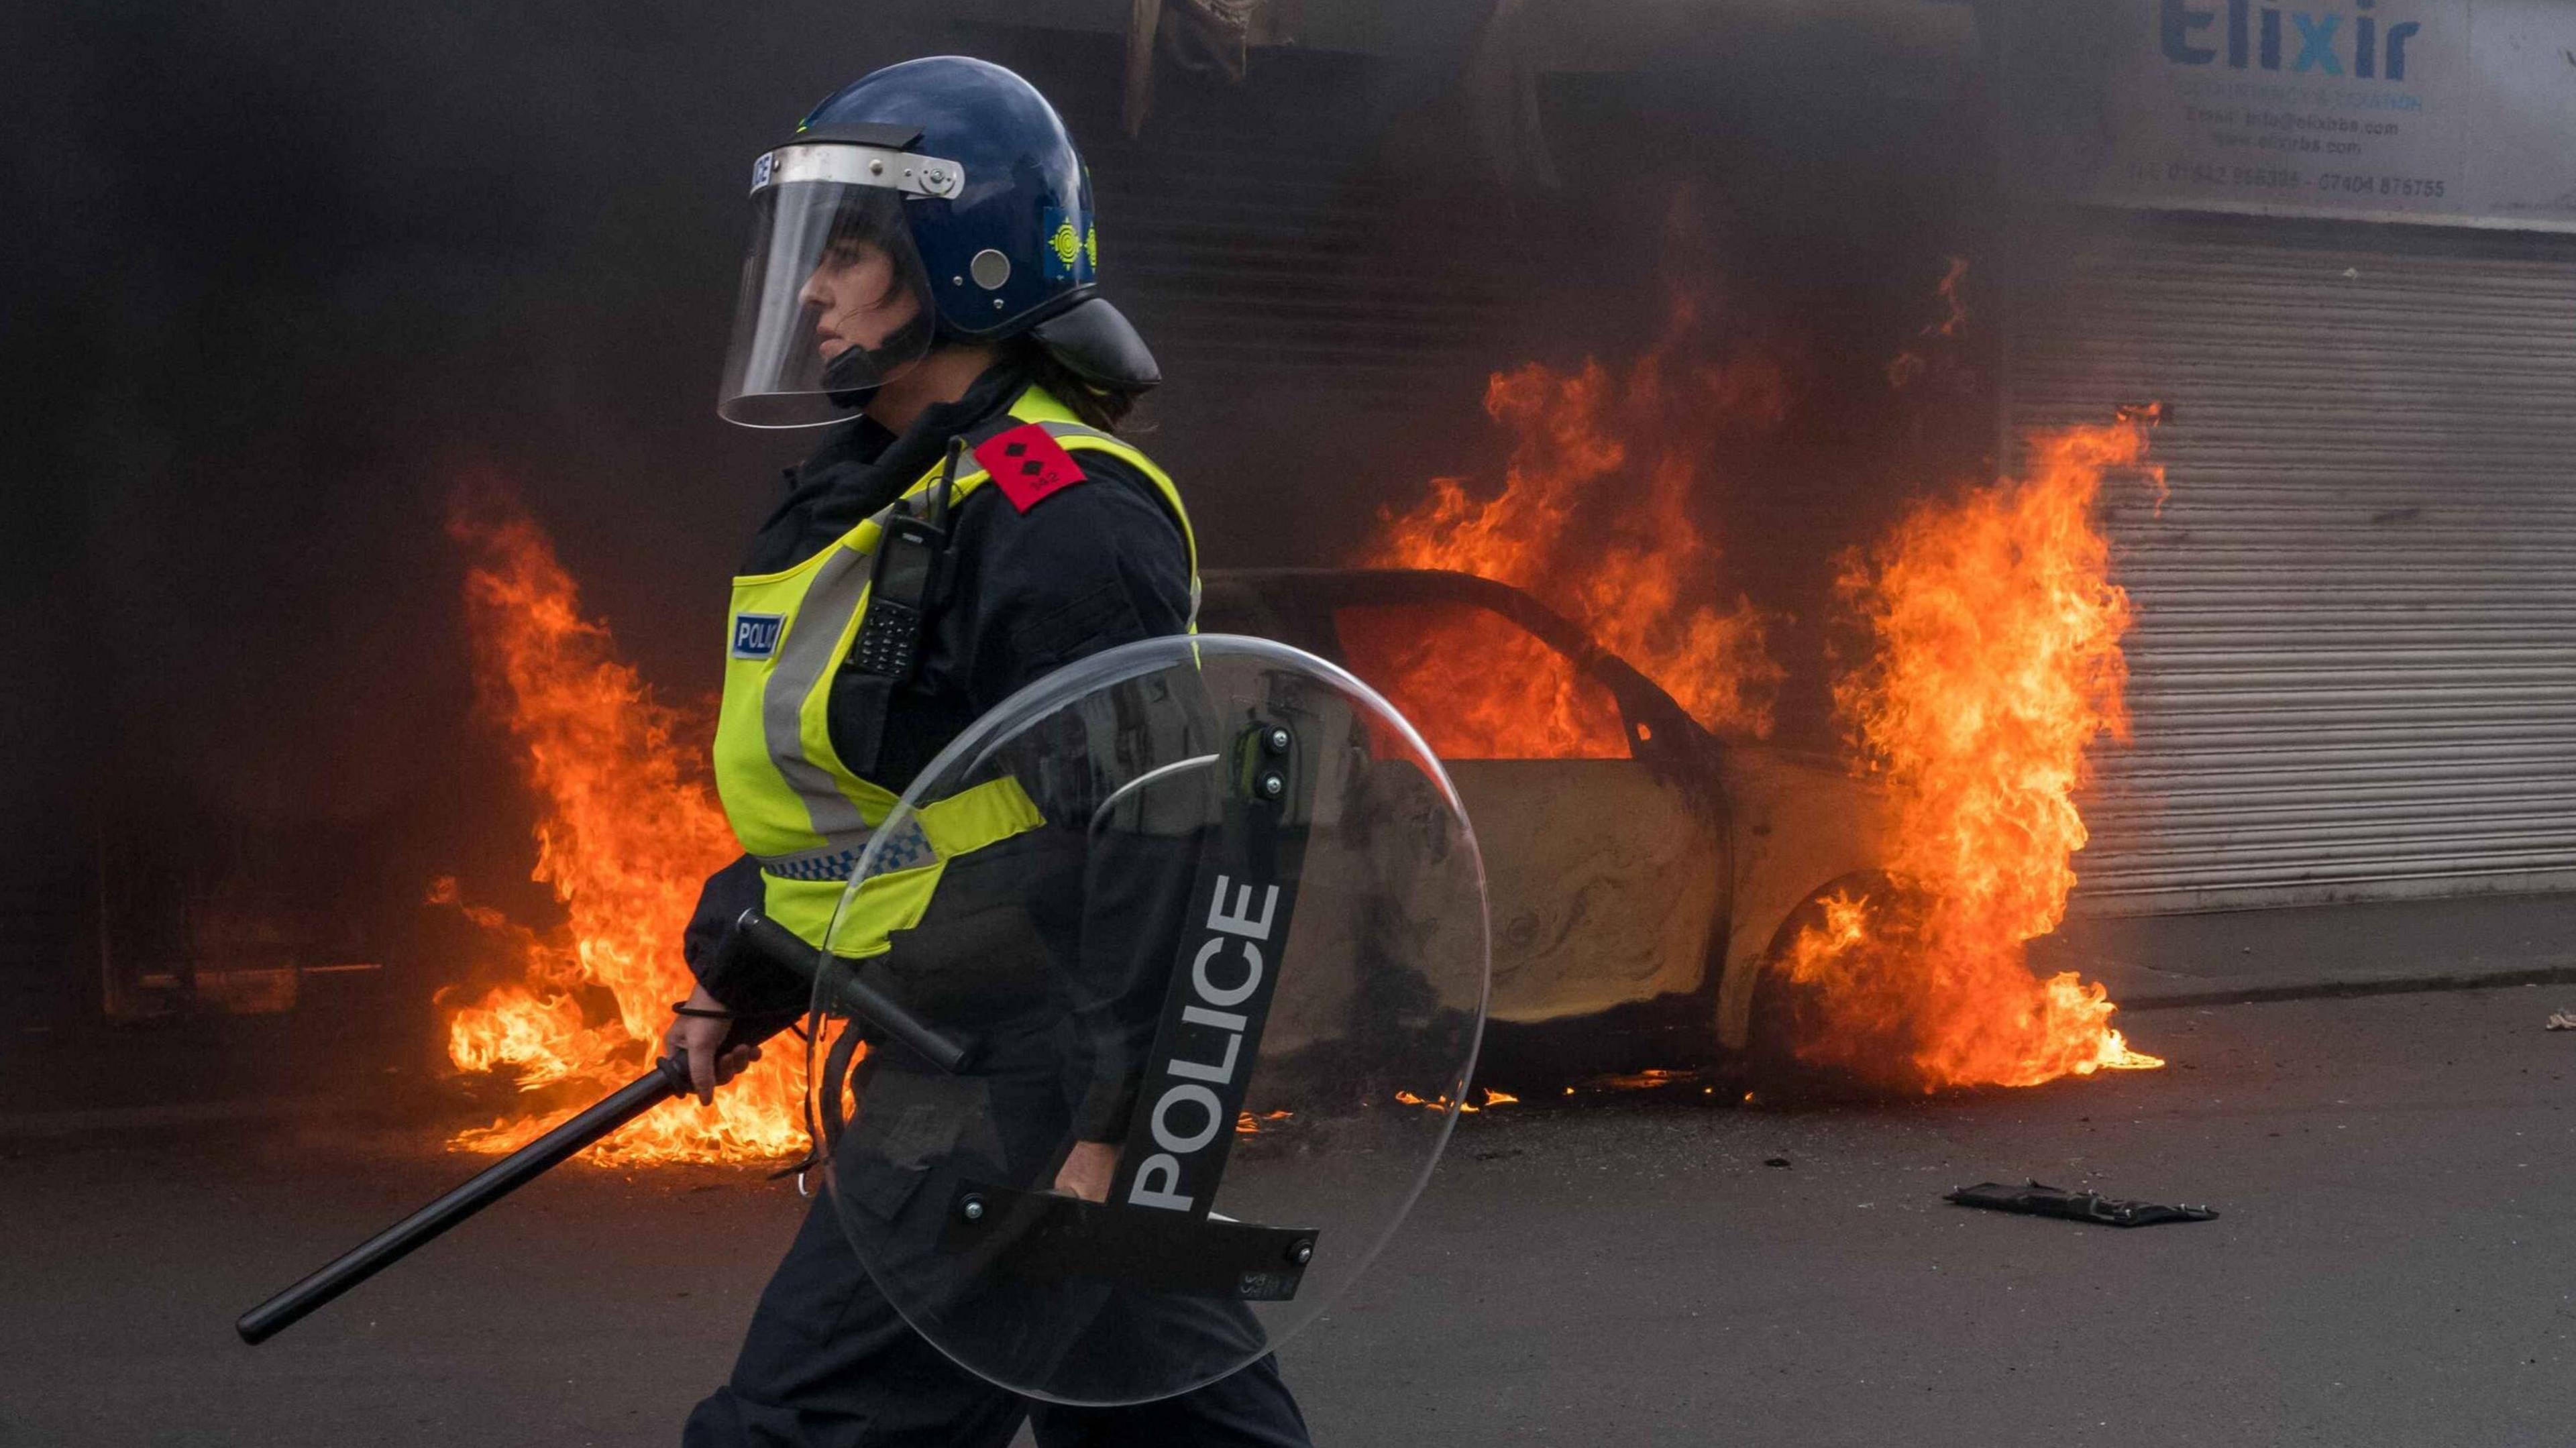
<point x="804" y="657"/>
<point x="906" y="847"/>
<point x="850" y="164"/>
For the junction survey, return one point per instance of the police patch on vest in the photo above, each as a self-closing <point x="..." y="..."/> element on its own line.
<point x="755" y="635"/>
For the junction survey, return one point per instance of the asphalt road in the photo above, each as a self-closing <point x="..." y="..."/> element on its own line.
<point x="2397" y="1176"/>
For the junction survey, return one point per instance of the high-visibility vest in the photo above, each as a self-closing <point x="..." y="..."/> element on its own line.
<point x="793" y="804"/>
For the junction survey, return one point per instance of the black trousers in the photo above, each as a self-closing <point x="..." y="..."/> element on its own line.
<point x="829" y="1363"/>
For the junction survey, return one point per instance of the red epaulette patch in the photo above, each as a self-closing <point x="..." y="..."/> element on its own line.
<point x="1027" y="465"/>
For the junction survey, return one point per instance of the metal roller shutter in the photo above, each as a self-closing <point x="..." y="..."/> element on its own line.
<point x="1260" y="258"/>
<point x="2353" y="672"/>
<point x="1325" y="319"/>
<point x="1261" y="242"/>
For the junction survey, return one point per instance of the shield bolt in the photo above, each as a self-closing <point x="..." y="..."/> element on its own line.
<point x="972" y="1209"/>
<point x="1301" y="1252"/>
<point x="1276" y="741"/>
<point x="1272" y="786"/>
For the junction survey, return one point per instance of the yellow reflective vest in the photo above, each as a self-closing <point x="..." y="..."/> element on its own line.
<point x="792" y="803"/>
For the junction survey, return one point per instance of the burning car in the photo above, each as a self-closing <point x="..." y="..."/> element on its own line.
<point x="1656" y="870"/>
<point x="1642" y="869"/>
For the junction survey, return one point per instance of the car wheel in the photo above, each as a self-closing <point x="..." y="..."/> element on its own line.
<point x="1795" y="1051"/>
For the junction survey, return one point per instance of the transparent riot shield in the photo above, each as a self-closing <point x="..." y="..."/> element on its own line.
<point x="1143" y="1017"/>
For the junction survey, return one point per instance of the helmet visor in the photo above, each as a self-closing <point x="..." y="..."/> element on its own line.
<point x="834" y="300"/>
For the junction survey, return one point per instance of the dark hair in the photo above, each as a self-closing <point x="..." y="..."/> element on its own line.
<point x="1097" y="404"/>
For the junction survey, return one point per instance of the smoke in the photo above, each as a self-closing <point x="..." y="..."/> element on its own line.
<point x="282" y="271"/>
<point x="1846" y="241"/>
<point x="288" y="268"/>
<point x="294" y="266"/>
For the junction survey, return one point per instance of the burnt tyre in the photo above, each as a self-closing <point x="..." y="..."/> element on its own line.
<point x="1808" y="1042"/>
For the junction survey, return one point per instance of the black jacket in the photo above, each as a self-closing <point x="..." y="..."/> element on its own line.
<point x="1092" y="566"/>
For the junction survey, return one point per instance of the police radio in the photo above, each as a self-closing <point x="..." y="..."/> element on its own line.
<point x="908" y="555"/>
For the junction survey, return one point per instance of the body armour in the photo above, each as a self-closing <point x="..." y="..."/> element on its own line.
<point x="800" y="810"/>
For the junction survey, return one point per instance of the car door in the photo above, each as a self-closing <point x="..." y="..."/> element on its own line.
<point x="1606" y="877"/>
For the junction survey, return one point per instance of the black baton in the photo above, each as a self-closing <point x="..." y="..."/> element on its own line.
<point x="860" y="999"/>
<point x="668" y="1078"/>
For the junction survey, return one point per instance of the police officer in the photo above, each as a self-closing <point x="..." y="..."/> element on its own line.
<point x="921" y="279"/>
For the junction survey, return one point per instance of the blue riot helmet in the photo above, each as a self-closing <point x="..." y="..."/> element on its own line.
<point x="936" y="199"/>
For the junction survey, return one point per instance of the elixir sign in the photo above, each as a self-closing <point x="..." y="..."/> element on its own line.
<point x="2320" y="50"/>
<point x="2446" y="111"/>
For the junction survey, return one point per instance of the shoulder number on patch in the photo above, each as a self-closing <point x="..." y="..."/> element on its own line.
<point x="1027" y="465"/>
<point x="755" y="635"/>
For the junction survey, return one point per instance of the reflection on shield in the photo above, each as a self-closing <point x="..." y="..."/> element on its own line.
<point x="1211" y="902"/>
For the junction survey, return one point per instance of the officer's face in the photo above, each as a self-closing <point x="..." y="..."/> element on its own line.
<point x="855" y="298"/>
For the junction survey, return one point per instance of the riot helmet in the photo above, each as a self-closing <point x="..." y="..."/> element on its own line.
<point x="938" y="199"/>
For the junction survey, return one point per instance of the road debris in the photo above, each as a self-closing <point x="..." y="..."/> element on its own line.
<point x="2562" y="1021"/>
<point x="2036" y="1200"/>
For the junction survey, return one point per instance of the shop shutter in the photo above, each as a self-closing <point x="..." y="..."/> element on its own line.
<point x="1261" y="243"/>
<point x="2353" y="671"/>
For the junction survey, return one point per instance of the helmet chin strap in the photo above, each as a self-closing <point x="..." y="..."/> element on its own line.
<point x="851" y="378"/>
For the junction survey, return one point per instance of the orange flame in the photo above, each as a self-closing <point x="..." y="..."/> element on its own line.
<point x="1478" y="685"/>
<point x="628" y="830"/>
<point x="1653" y="1078"/>
<point x="1599" y="527"/>
<point x="1998" y="662"/>
<point x="1440" y="1102"/>
<point x="1997" y="639"/>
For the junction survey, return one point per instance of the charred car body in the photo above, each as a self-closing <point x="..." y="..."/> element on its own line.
<point x="1637" y="894"/>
